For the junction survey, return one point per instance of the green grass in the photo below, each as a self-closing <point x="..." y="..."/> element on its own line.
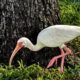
<point x="35" y="72"/>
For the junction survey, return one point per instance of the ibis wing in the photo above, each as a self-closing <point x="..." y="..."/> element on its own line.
<point x="55" y="36"/>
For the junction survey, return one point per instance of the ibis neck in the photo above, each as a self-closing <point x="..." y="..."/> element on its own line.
<point x="35" y="47"/>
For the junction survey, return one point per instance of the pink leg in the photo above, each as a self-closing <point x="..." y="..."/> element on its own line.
<point x="54" y="59"/>
<point x="62" y="62"/>
<point x="68" y="51"/>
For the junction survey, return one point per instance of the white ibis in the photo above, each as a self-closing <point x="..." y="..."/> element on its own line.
<point x="53" y="36"/>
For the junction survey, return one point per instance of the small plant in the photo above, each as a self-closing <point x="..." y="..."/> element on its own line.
<point x="35" y="72"/>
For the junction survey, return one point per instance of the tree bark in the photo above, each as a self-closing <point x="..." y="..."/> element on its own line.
<point x="25" y="18"/>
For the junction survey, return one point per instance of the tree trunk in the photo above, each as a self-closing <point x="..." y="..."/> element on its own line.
<point x="25" y="18"/>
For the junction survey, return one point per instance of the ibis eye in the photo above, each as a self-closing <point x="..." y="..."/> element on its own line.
<point x="20" y="43"/>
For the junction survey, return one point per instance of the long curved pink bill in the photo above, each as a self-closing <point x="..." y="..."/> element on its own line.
<point x="17" y="48"/>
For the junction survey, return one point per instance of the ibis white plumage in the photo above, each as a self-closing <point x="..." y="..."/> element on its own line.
<point x="53" y="36"/>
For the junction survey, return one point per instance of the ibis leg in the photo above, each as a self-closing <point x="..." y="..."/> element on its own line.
<point x="67" y="50"/>
<point x="54" y="59"/>
<point x="62" y="61"/>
